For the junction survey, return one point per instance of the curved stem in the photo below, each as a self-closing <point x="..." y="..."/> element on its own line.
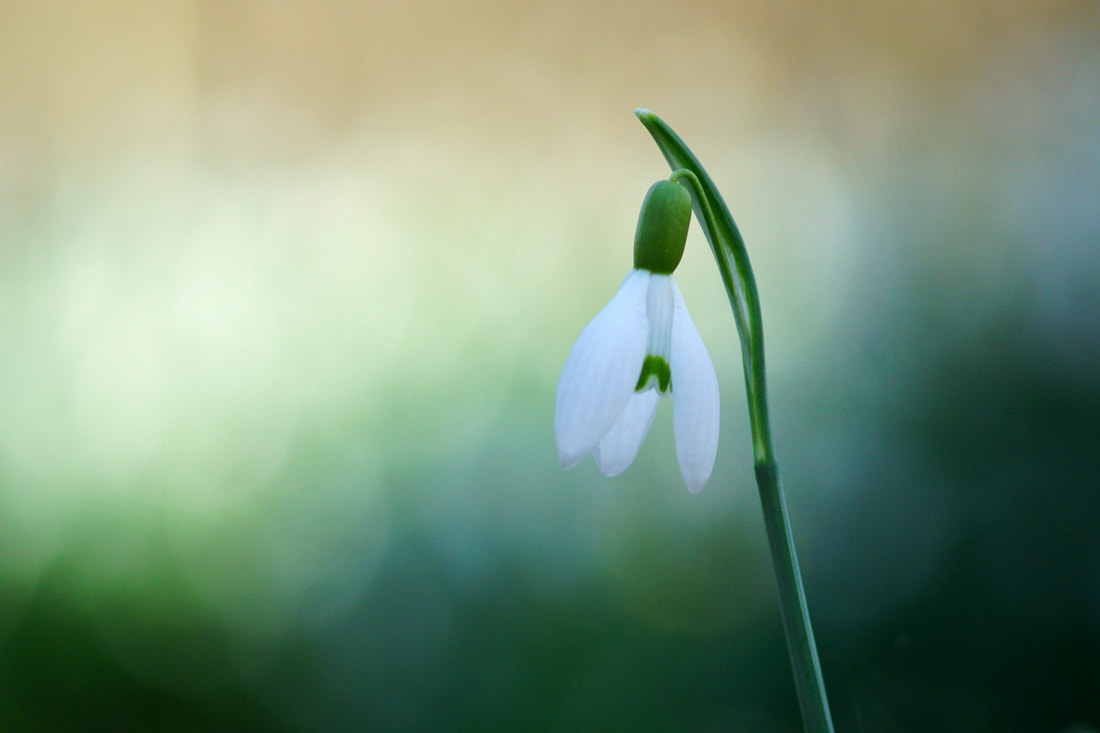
<point x="733" y="263"/>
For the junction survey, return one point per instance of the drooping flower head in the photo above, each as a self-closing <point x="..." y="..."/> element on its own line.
<point x="642" y="346"/>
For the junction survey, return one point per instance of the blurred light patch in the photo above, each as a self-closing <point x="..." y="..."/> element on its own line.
<point x="171" y="344"/>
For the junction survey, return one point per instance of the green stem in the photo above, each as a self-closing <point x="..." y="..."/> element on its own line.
<point x="792" y="602"/>
<point x="733" y="264"/>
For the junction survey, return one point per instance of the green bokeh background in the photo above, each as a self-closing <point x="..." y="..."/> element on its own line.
<point x="285" y="288"/>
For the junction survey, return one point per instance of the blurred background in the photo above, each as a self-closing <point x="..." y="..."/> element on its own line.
<point x="285" y="289"/>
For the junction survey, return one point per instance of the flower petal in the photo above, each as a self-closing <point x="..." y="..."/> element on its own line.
<point x="601" y="370"/>
<point x="616" y="450"/>
<point x="695" y="404"/>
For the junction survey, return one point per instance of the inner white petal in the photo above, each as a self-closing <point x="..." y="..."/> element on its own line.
<point x="616" y="450"/>
<point x="659" y="310"/>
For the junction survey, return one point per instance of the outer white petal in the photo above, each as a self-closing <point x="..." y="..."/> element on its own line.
<point x="601" y="370"/>
<point x="616" y="450"/>
<point x="695" y="403"/>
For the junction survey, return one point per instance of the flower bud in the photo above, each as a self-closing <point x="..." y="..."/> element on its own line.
<point x="662" y="228"/>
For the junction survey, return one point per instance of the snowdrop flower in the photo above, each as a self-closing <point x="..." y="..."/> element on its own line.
<point x="642" y="346"/>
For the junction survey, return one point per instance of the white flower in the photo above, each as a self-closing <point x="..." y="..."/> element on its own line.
<point x="640" y="347"/>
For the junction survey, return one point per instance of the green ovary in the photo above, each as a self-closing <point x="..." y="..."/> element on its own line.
<point x="662" y="228"/>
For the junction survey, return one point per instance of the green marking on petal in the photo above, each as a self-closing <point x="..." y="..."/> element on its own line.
<point x="655" y="367"/>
